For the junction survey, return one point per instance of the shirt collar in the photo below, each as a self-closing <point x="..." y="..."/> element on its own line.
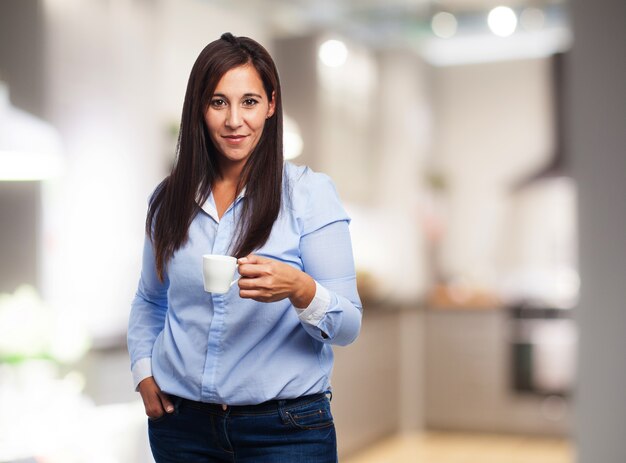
<point x="210" y="208"/>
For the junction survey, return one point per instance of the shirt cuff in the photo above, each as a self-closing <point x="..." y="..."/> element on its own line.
<point x="142" y="369"/>
<point x="318" y="307"/>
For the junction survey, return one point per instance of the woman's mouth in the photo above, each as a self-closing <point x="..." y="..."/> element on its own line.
<point x="234" y="139"/>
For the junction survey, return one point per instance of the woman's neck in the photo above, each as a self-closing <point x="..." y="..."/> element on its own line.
<point x="231" y="172"/>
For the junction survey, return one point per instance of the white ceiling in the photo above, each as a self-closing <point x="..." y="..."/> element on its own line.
<point x="404" y="23"/>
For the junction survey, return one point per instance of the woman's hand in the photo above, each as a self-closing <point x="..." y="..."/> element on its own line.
<point x="268" y="280"/>
<point x="155" y="401"/>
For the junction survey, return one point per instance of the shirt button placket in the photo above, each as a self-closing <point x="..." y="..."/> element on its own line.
<point x="220" y="246"/>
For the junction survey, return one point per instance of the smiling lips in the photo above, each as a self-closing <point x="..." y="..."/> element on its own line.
<point x="234" y="139"/>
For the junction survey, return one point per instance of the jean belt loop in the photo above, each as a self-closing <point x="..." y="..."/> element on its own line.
<point x="284" y="416"/>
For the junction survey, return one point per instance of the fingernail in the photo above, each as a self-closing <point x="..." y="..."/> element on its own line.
<point x="243" y="260"/>
<point x="169" y="409"/>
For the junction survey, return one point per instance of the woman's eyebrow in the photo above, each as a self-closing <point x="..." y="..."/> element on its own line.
<point x="245" y="95"/>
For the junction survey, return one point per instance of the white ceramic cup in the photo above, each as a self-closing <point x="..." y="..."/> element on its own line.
<point x="218" y="272"/>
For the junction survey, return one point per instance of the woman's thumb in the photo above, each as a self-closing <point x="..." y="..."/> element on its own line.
<point x="249" y="259"/>
<point x="167" y="404"/>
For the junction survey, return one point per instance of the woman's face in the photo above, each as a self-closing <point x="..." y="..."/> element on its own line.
<point x="236" y="113"/>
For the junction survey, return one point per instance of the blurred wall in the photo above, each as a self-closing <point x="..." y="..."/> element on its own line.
<point x="19" y="234"/>
<point x="403" y="124"/>
<point x="597" y="139"/>
<point x="493" y="125"/>
<point x="116" y="79"/>
<point x="373" y="141"/>
<point x="22" y="53"/>
<point x="100" y="94"/>
<point x="22" y="70"/>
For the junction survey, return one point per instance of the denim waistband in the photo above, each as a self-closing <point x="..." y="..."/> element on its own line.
<point x="263" y="408"/>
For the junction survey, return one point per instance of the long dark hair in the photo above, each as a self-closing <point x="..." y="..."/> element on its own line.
<point x="176" y="200"/>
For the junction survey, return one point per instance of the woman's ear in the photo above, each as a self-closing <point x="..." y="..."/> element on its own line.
<point x="272" y="106"/>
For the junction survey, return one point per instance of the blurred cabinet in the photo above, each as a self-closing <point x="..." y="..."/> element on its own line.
<point x="468" y="378"/>
<point x="377" y="380"/>
<point x="365" y="383"/>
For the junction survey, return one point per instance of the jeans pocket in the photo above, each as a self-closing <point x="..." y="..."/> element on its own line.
<point x="176" y="401"/>
<point x="315" y="415"/>
<point x="158" y="419"/>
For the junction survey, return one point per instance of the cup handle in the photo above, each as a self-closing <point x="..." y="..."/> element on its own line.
<point x="236" y="279"/>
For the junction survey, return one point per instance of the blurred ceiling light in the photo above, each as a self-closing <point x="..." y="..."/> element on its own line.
<point x="502" y="21"/>
<point x="30" y="149"/>
<point x="333" y="53"/>
<point x="444" y="25"/>
<point x="292" y="140"/>
<point x="532" y="19"/>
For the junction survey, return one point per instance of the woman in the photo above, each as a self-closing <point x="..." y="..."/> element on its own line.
<point x="241" y="376"/>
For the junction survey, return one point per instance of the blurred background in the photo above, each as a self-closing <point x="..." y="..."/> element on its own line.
<point x="476" y="144"/>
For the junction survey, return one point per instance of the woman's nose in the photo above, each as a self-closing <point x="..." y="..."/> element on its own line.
<point x="233" y="120"/>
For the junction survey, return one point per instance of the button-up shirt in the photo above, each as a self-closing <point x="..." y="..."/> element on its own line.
<point x="220" y="348"/>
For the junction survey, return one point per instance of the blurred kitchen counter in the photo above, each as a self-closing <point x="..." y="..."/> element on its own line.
<point x="462" y="296"/>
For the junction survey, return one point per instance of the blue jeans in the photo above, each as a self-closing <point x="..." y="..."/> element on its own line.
<point x="281" y="431"/>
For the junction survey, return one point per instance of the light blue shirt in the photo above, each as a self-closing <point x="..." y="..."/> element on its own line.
<point x="220" y="348"/>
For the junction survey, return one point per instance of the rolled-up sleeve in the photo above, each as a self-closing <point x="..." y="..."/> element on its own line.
<point x="326" y="252"/>
<point x="147" y="315"/>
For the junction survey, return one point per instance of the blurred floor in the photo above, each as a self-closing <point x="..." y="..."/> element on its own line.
<point x="443" y="447"/>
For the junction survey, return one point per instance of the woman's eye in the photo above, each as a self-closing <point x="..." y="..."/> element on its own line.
<point x="218" y="103"/>
<point x="249" y="102"/>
